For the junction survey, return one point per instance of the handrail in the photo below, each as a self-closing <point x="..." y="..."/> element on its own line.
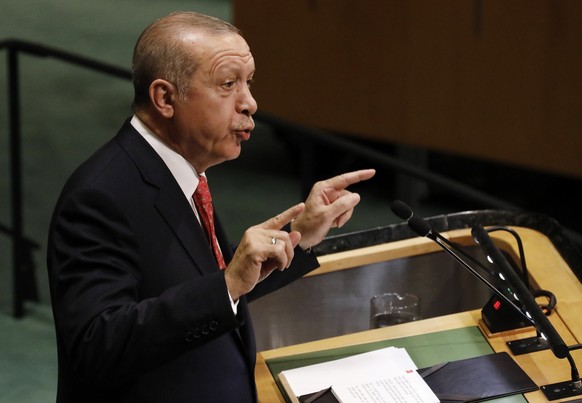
<point x="383" y="160"/>
<point x="23" y="273"/>
<point x="313" y="134"/>
<point x="20" y="243"/>
<point x="373" y="155"/>
<point x="27" y="241"/>
<point x="35" y="49"/>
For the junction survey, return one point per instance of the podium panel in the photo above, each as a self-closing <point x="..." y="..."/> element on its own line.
<point x="335" y="303"/>
<point x="553" y="263"/>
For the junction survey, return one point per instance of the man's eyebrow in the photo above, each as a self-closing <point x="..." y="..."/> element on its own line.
<point x="233" y="69"/>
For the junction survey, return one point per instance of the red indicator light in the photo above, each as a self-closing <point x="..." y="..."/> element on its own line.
<point x="497" y="305"/>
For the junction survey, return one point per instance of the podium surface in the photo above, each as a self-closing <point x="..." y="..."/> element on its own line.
<point x="548" y="270"/>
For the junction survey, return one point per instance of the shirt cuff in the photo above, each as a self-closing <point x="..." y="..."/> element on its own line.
<point x="233" y="304"/>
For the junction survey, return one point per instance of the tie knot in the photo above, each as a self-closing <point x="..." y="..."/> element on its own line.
<point x="202" y="193"/>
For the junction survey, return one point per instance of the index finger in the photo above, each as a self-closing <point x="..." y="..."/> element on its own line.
<point x="284" y="218"/>
<point x="349" y="178"/>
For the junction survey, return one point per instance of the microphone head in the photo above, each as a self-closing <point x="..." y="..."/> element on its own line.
<point x="402" y="210"/>
<point x="419" y="226"/>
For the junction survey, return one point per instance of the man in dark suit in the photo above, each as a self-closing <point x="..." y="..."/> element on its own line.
<point x="143" y="311"/>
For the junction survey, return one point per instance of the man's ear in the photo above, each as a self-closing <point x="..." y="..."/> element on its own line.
<point x="163" y="94"/>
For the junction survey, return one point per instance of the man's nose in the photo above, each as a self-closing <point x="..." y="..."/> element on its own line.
<point x="247" y="104"/>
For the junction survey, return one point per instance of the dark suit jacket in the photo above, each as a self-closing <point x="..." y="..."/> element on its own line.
<point x="141" y="310"/>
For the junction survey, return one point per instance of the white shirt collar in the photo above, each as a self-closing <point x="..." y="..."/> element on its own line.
<point x="182" y="170"/>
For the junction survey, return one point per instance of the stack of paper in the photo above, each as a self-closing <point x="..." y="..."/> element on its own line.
<point x="385" y="375"/>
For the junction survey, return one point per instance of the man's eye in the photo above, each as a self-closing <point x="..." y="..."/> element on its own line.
<point x="228" y="84"/>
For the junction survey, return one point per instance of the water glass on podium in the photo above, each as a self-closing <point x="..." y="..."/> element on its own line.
<point x="392" y="309"/>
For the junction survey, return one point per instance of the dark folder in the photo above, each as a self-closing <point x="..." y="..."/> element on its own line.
<point x="476" y="379"/>
<point x="325" y="396"/>
<point x="469" y="380"/>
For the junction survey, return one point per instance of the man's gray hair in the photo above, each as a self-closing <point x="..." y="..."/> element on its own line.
<point x="160" y="53"/>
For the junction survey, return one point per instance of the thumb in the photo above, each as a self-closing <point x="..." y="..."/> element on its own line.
<point x="284" y="218"/>
<point x="295" y="237"/>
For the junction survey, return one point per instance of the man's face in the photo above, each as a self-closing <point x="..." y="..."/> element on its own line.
<point x="215" y="118"/>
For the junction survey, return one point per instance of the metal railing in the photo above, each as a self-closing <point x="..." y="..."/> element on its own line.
<point x="22" y="246"/>
<point x="23" y="275"/>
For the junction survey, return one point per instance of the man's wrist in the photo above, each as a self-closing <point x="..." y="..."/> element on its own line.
<point x="309" y="250"/>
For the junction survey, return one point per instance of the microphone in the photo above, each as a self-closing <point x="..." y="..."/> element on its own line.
<point x="417" y="224"/>
<point x="423" y="229"/>
<point x="541" y="322"/>
<point x="402" y="210"/>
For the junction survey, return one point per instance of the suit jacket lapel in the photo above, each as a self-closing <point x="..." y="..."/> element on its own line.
<point x="170" y="200"/>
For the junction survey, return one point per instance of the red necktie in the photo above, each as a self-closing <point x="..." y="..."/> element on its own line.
<point x="203" y="202"/>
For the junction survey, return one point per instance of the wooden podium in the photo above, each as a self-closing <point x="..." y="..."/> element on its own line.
<point x="548" y="268"/>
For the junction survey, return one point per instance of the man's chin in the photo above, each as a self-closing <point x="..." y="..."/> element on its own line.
<point x="234" y="153"/>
